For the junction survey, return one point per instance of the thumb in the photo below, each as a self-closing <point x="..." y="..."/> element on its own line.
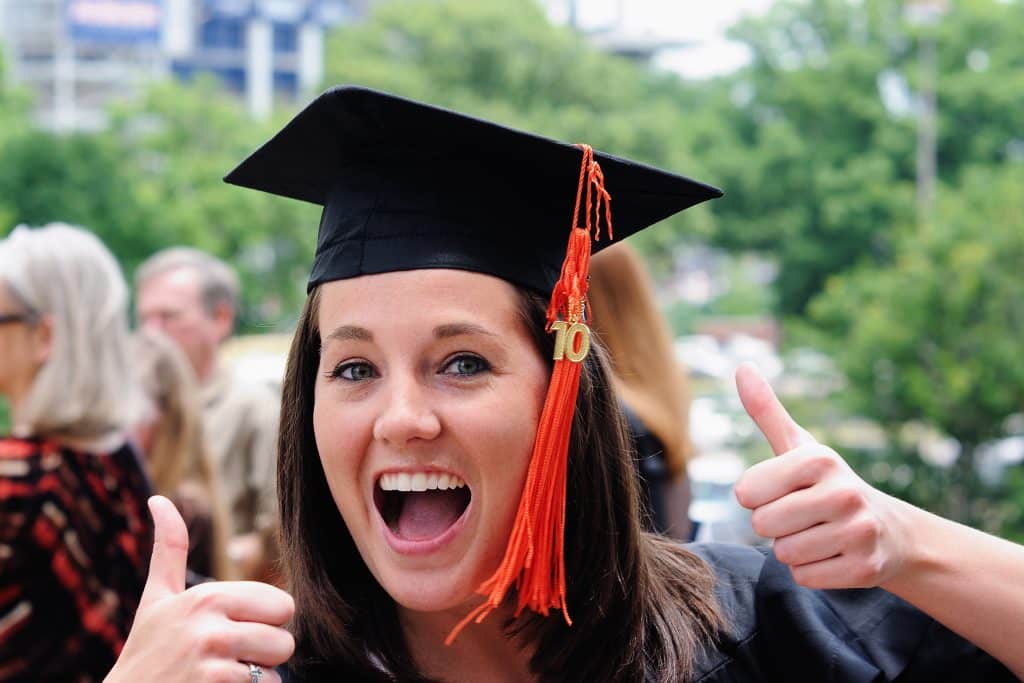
<point x="170" y="552"/>
<point x="768" y="413"/>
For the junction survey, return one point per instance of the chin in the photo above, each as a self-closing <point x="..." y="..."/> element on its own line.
<point x="430" y="592"/>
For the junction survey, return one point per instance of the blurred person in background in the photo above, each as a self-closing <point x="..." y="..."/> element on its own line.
<point x="74" y="535"/>
<point x="651" y="386"/>
<point x="170" y="436"/>
<point x="192" y="297"/>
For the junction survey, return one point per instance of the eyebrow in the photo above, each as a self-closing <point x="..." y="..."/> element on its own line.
<point x="458" y="329"/>
<point x="356" y="333"/>
<point x="350" y="333"/>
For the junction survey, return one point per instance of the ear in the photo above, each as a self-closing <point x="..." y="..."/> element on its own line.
<point x="224" y="319"/>
<point x="42" y="340"/>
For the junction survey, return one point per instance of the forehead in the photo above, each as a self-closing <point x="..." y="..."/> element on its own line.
<point x="430" y="296"/>
<point x="180" y="284"/>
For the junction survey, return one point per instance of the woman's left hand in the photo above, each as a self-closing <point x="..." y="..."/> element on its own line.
<point x="829" y="525"/>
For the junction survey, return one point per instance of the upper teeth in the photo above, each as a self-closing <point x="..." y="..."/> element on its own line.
<point x="419" y="481"/>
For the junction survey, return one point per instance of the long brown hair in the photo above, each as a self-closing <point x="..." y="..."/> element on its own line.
<point x="626" y="319"/>
<point x="177" y="455"/>
<point x="645" y="605"/>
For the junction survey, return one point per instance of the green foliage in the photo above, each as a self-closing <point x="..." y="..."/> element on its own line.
<point x="935" y="336"/>
<point x="154" y="180"/>
<point x="179" y="142"/>
<point x="77" y="179"/>
<point x="817" y="169"/>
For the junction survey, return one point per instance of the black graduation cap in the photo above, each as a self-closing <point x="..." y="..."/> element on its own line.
<point x="406" y="185"/>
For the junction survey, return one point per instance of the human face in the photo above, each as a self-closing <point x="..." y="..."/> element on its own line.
<point x="170" y="303"/>
<point x="23" y="348"/>
<point x="423" y="374"/>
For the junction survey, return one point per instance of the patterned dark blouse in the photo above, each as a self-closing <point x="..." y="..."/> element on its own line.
<point x="75" y="539"/>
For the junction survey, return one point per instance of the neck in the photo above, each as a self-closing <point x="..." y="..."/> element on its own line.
<point x="481" y="652"/>
<point x="206" y="369"/>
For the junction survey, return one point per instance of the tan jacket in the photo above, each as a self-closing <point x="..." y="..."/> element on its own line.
<point x="240" y="420"/>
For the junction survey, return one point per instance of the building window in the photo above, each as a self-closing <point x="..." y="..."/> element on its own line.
<point x="286" y="38"/>
<point x="222" y="32"/>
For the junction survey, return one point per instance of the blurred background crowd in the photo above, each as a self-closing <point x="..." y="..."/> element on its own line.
<point x="866" y="255"/>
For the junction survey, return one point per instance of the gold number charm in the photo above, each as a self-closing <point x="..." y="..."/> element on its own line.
<point x="566" y="336"/>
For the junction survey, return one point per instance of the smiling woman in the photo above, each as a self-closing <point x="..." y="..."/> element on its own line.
<point x="453" y="465"/>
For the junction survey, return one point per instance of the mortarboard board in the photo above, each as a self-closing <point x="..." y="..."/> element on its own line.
<point x="406" y="185"/>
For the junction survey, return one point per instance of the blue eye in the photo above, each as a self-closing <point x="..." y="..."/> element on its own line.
<point x="466" y="366"/>
<point x="357" y="371"/>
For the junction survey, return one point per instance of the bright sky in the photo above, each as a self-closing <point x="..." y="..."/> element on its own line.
<point x="699" y="22"/>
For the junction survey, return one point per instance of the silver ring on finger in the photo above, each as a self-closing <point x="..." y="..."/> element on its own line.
<point x="255" y="673"/>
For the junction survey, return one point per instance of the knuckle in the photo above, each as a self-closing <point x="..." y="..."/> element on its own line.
<point x="866" y="529"/>
<point x="785" y="552"/>
<point x="849" y="499"/>
<point x="743" y="493"/>
<point x="867" y="572"/>
<point x="204" y="599"/>
<point x="822" y="463"/>
<point x="216" y="641"/>
<point x="759" y="522"/>
<point x="876" y="568"/>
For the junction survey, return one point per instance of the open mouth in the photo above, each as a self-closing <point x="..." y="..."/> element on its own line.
<point x="420" y="506"/>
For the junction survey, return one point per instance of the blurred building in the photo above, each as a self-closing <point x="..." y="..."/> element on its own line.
<point x="260" y="49"/>
<point x="77" y="56"/>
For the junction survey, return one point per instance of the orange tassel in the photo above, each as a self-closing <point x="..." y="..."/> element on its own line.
<point x="534" y="559"/>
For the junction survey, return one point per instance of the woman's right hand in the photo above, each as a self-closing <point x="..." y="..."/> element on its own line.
<point x="208" y="633"/>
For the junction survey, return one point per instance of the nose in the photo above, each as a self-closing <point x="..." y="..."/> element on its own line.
<point x="407" y="416"/>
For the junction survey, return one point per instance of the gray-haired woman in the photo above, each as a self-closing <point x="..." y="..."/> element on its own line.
<point x="74" y="536"/>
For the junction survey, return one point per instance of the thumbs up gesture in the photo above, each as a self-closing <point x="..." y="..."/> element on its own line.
<point x="210" y="632"/>
<point x="829" y="525"/>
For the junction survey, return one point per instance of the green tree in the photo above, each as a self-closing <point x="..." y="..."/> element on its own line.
<point x="934" y="337"/>
<point x="819" y="166"/>
<point x="177" y="143"/>
<point x="77" y="179"/>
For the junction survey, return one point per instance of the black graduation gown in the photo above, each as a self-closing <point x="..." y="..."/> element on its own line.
<point x="783" y="632"/>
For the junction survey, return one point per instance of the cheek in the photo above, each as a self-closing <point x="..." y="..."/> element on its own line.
<point x="342" y="444"/>
<point x="503" y="432"/>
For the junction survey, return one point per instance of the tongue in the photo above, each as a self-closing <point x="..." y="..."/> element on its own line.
<point x="428" y="514"/>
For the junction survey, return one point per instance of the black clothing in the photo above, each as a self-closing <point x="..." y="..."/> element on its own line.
<point x="652" y="472"/>
<point x="75" y="540"/>
<point x="784" y="632"/>
<point x="781" y="632"/>
<point x="406" y="185"/>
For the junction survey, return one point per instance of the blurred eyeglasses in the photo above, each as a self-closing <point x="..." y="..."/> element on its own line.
<point x="10" y="318"/>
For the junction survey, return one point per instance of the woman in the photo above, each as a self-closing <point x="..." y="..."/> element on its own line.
<point x="652" y="387"/>
<point x="170" y="436"/>
<point x="430" y="426"/>
<point x="74" y="538"/>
